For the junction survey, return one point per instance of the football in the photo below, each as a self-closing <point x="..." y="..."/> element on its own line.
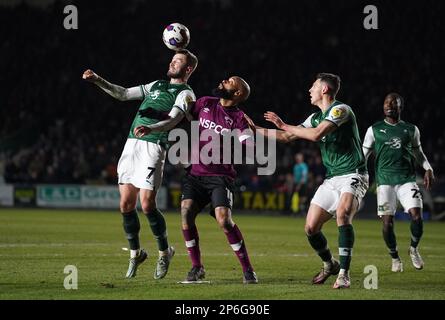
<point x="176" y="36"/>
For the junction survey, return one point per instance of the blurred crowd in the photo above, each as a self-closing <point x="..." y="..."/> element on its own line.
<point x="55" y="128"/>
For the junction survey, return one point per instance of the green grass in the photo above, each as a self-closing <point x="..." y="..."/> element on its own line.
<point x="36" y="245"/>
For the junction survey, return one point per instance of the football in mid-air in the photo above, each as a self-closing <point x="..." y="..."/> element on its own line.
<point x="176" y="36"/>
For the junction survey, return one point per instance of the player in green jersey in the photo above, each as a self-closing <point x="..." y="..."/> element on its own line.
<point x="334" y="127"/>
<point x="141" y="164"/>
<point x="396" y="144"/>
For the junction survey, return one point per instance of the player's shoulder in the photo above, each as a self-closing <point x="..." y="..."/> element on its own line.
<point x="378" y="124"/>
<point x="208" y="100"/>
<point x="340" y="111"/>
<point x="408" y="124"/>
<point x="340" y="108"/>
<point x="160" y="83"/>
<point x="239" y="116"/>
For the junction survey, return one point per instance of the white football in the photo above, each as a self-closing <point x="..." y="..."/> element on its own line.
<point x="176" y="36"/>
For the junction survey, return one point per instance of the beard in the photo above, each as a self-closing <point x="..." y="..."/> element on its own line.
<point x="223" y="93"/>
<point x="393" y="114"/>
<point x="176" y="75"/>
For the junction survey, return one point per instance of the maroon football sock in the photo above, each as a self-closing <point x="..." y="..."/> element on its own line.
<point x="191" y="238"/>
<point x="236" y="241"/>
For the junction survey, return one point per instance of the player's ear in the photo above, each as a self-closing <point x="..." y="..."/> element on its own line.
<point x="324" y="88"/>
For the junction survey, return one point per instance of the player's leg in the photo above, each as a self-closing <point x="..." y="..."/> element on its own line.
<point x="386" y="207"/>
<point x="128" y="198"/>
<point x="189" y="211"/>
<point x="315" y="219"/>
<point x="319" y="213"/>
<point x="416" y="234"/>
<point x="194" y="199"/>
<point x="411" y="200"/>
<point x="353" y="188"/>
<point x="346" y="209"/>
<point x="221" y="189"/>
<point x="147" y="176"/>
<point x="235" y="238"/>
<point x="158" y="227"/>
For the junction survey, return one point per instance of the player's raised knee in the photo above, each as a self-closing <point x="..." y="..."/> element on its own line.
<point x="127" y="205"/>
<point x="148" y="205"/>
<point x="310" y="229"/>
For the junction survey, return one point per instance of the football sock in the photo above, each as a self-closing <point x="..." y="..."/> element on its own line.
<point x="320" y="244"/>
<point x="191" y="238"/>
<point x="158" y="227"/>
<point x="134" y="253"/>
<point x="131" y="228"/>
<point x="236" y="241"/>
<point x="416" y="232"/>
<point x="390" y="239"/>
<point x="345" y="245"/>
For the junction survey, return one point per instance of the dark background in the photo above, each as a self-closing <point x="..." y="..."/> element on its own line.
<point x="56" y="128"/>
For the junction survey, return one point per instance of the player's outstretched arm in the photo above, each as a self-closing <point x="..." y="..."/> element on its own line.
<point x="113" y="90"/>
<point x="300" y="132"/>
<point x="368" y="143"/>
<point x="428" y="179"/>
<point x="421" y="159"/>
<point x="174" y="118"/>
<point x="279" y="135"/>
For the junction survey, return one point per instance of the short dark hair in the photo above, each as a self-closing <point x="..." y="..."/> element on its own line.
<point x="192" y="60"/>
<point x="333" y="82"/>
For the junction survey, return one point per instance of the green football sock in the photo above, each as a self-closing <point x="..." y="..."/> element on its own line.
<point x="131" y="227"/>
<point x="158" y="227"/>
<point x="390" y="239"/>
<point x="320" y="244"/>
<point x="345" y="245"/>
<point x="416" y="232"/>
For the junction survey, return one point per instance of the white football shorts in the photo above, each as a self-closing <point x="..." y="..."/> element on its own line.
<point x="408" y="195"/>
<point x="141" y="164"/>
<point x="329" y="192"/>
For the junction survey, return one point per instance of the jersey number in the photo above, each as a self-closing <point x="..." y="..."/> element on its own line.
<point x="416" y="193"/>
<point x="152" y="170"/>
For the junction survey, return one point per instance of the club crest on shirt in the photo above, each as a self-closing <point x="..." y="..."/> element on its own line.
<point x="206" y="110"/>
<point x="155" y="94"/>
<point x="229" y="121"/>
<point x="394" y="143"/>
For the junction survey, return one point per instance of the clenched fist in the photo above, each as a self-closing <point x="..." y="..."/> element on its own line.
<point x="141" y="131"/>
<point x="90" y="76"/>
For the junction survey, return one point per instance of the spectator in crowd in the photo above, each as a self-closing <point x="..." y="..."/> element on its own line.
<point x="300" y="174"/>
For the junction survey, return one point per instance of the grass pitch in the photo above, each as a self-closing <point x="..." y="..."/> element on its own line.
<point x="36" y="245"/>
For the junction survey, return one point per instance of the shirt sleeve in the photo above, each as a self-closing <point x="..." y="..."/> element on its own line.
<point x="134" y="93"/>
<point x="246" y="134"/>
<point x="196" y="108"/>
<point x="145" y="88"/>
<point x="368" y="143"/>
<point x="369" y="140"/>
<point x="307" y="123"/>
<point x="184" y="101"/>
<point x="415" y="140"/>
<point x="339" y="115"/>
<point x="418" y="152"/>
